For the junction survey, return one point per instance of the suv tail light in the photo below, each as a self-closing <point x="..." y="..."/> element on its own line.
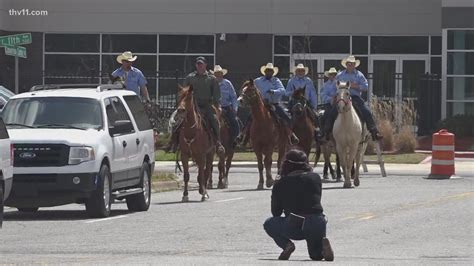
<point x="12" y="154"/>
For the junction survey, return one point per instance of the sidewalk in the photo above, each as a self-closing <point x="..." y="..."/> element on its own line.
<point x="464" y="167"/>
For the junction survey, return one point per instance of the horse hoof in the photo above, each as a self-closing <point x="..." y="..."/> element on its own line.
<point x="220" y="185"/>
<point x="260" y="186"/>
<point x="185" y="199"/>
<point x="356" y="182"/>
<point x="269" y="182"/>
<point x="325" y="176"/>
<point x="347" y="185"/>
<point x="205" y="197"/>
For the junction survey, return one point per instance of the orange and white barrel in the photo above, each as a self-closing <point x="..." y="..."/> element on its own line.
<point x="442" y="161"/>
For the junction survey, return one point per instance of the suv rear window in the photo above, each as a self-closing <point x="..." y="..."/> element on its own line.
<point x="3" y="130"/>
<point x="138" y="112"/>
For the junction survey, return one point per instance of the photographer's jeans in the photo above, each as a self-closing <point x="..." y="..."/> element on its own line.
<point x="313" y="231"/>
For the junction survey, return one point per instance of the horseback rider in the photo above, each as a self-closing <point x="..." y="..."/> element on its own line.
<point x="301" y="81"/>
<point x="206" y="93"/>
<point x="228" y="102"/>
<point x="358" y="84"/>
<point x="133" y="77"/>
<point x="328" y="92"/>
<point x="272" y="90"/>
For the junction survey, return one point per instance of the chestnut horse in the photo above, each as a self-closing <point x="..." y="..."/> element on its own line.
<point x="265" y="133"/>
<point x="225" y="162"/>
<point x="194" y="142"/>
<point x="302" y="126"/>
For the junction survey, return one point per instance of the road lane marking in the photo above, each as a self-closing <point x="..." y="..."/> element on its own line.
<point x="105" y="219"/>
<point x="227" y="200"/>
<point x="410" y="206"/>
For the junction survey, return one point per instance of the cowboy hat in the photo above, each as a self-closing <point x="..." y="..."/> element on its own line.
<point x="350" y="59"/>
<point x="269" y="66"/>
<point x="332" y="70"/>
<point x="218" y="68"/>
<point x="301" y="66"/>
<point x="126" y="56"/>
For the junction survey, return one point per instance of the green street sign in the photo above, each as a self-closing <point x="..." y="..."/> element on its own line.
<point x="14" y="40"/>
<point x="19" y="51"/>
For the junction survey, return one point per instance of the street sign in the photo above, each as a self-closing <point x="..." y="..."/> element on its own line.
<point x="19" y="51"/>
<point x="17" y="39"/>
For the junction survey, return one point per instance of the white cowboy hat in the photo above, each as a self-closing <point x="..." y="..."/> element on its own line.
<point x="301" y="66"/>
<point x="332" y="70"/>
<point x="126" y="56"/>
<point x="350" y="59"/>
<point x="218" y="68"/>
<point x="269" y="66"/>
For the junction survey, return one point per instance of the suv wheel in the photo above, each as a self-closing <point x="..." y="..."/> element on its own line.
<point x="141" y="202"/>
<point x="1" y="204"/>
<point x="34" y="209"/>
<point x="98" y="205"/>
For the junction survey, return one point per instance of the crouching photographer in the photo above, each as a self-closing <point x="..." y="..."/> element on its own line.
<point x="298" y="195"/>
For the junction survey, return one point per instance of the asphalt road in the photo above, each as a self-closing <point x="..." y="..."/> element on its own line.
<point x="399" y="219"/>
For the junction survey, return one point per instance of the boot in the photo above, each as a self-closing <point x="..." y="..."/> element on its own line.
<point x="376" y="136"/>
<point x="286" y="253"/>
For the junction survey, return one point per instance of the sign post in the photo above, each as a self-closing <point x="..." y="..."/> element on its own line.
<point x="12" y="47"/>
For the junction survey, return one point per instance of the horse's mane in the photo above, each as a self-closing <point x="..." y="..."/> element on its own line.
<point x="183" y="93"/>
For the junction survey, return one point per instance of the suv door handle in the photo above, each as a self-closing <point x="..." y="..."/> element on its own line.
<point x="124" y="144"/>
<point x="138" y="142"/>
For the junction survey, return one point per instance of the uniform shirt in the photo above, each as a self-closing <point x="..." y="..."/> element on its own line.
<point x="228" y="95"/>
<point x="299" y="193"/>
<point x="356" y="77"/>
<point x="134" y="79"/>
<point x="205" y="88"/>
<point x="265" y="86"/>
<point x="328" y="91"/>
<point x="300" y="83"/>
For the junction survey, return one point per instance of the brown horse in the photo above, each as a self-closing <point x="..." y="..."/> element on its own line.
<point x="302" y="126"/>
<point x="265" y="133"/>
<point x="225" y="162"/>
<point x="194" y="142"/>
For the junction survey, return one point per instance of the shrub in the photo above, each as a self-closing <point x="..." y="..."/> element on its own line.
<point x="386" y="129"/>
<point x="405" y="140"/>
<point x="460" y="125"/>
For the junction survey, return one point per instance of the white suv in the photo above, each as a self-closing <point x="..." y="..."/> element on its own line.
<point x="85" y="145"/>
<point x="6" y="167"/>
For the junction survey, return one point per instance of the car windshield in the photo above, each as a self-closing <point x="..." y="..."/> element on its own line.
<point x="53" y="112"/>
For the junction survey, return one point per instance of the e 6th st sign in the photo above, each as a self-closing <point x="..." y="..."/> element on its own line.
<point x="12" y="47"/>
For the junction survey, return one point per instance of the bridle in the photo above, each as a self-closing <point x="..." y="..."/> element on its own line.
<point x="251" y="97"/>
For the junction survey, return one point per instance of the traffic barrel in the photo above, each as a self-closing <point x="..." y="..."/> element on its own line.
<point x="442" y="158"/>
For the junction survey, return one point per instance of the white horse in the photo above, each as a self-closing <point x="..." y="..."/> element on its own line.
<point x="350" y="135"/>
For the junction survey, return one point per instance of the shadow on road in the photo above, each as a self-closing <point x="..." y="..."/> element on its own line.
<point x="177" y="202"/>
<point x="245" y="190"/>
<point x="302" y="260"/>
<point x="55" y="215"/>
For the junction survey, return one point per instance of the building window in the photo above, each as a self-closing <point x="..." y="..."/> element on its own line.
<point x="459" y="84"/>
<point x="119" y="43"/>
<point x="184" y="44"/>
<point x="281" y="45"/>
<point x="360" y="44"/>
<point x="435" y="45"/>
<point x="63" y="68"/>
<point x="461" y="40"/>
<point x="82" y="43"/>
<point x="399" y="45"/>
<point x="461" y="63"/>
<point x="283" y="64"/>
<point x="321" y="44"/>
